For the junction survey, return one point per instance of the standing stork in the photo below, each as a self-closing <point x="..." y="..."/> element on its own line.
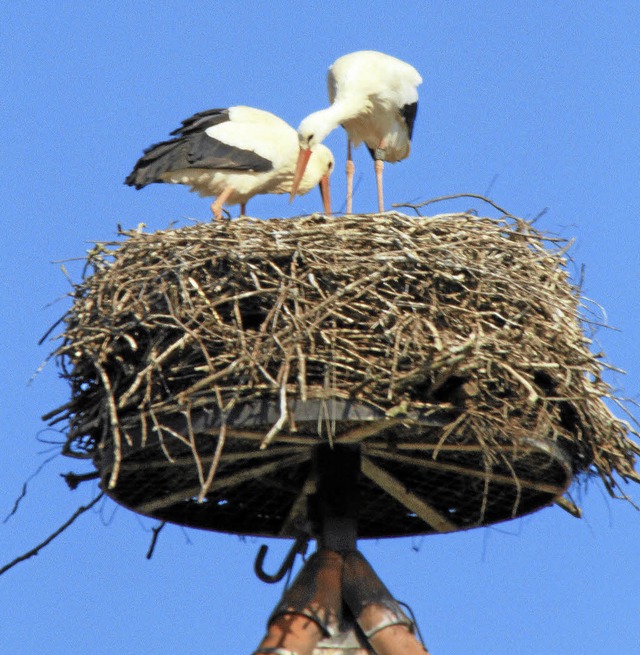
<point x="233" y="154"/>
<point x="375" y="98"/>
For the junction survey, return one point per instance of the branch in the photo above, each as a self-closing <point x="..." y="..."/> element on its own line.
<point x="156" y="532"/>
<point x="51" y="537"/>
<point x="74" y="479"/>
<point x="23" y="493"/>
<point x="453" y="197"/>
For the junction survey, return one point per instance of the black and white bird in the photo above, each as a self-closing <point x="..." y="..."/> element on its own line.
<point x="234" y="154"/>
<point x="375" y="98"/>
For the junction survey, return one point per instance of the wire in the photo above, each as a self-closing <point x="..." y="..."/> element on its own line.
<point x="413" y="620"/>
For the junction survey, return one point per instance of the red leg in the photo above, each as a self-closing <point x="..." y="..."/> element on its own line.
<point x="216" y="207"/>
<point x="350" y="172"/>
<point x="379" y="168"/>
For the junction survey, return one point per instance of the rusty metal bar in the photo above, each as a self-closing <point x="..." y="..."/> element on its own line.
<point x="362" y="589"/>
<point x="396" y="640"/>
<point x="380" y="617"/>
<point x="309" y="610"/>
<point x="290" y="634"/>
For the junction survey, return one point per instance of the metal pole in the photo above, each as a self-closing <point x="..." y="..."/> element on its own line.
<point x="309" y="610"/>
<point x="334" y="508"/>
<point x="380" y="617"/>
<point x="396" y="640"/>
<point x="337" y="604"/>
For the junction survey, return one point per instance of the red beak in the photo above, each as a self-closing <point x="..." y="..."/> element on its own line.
<point x="325" y="192"/>
<point x="301" y="165"/>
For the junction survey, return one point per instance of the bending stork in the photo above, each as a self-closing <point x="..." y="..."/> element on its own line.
<point x="233" y="154"/>
<point x="375" y="98"/>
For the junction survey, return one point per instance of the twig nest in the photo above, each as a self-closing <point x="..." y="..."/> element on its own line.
<point x="208" y="362"/>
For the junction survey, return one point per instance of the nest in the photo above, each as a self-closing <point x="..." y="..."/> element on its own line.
<point x="208" y="360"/>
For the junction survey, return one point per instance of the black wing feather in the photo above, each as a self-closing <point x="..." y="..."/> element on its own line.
<point x="206" y="152"/>
<point x="201" y="121"/>
<point x="408" y="112"/>
<point x="194" y="149"/>
<point x="157" y="159"/>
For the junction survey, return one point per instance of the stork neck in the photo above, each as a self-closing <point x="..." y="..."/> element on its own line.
<point x="345" y="108"/>
<point x="320" y="123"/>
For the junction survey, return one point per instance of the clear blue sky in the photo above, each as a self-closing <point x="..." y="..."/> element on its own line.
<point x="543" y="99"/>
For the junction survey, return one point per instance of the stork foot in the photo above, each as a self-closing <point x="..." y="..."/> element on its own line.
<point x="216" y="207"/>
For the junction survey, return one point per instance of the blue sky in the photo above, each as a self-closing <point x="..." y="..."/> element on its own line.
<point x="537" y="104"/>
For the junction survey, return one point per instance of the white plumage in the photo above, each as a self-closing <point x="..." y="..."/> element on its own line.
<point x="375" y="98"/>
<point x="233" y="154"/>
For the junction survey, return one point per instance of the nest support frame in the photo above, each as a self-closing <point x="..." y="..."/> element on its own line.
<point x="411" y="484"/>
<point x="337" y="604"/>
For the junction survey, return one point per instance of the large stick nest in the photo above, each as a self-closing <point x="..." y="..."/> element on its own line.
<point x="469" y="318"/>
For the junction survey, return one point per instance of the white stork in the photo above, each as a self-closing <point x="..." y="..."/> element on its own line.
<point x="233" y="154"/>
<point x="375" y="98"/>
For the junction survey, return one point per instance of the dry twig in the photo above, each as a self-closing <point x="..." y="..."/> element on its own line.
<point x="34" y="551"/>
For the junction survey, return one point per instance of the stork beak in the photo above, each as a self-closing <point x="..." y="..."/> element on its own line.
<point x="325" y="192"/>
<point x="301" y="165"/>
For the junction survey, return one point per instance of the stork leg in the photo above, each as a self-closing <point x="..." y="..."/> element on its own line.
<point x="216" y="207"/>
<point x="243" y="209"/>
<point x="379" y="167"/>
<point x="350" y="172"/>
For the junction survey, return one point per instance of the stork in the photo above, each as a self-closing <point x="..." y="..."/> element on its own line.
<point x="374" y="97"/>
<point x="233" y="154"/>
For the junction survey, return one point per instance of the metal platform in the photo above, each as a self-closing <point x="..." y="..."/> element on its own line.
<point x="413" y="479"/>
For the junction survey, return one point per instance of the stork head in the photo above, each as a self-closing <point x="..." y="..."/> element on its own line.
<point x="314" y="129"/>
<point x="311" y="132"/>
<point x="314" y="167"/>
